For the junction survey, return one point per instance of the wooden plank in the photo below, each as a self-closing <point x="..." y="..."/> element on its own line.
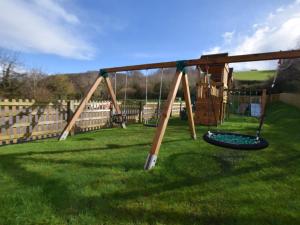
<point x="79" y="109"/>
<point x="14" y="121"/>
<point x="7" y="121"/>
<point x="188" y="105"/>
<point x="212" y="60"/>
<point x="26" y="103"/>
<point x="163" y="121"/>
<point x="113" y="98"/>
<point x="289" y="98"/>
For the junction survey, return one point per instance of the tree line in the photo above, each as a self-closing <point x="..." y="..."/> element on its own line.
<point x="34" y="84"/>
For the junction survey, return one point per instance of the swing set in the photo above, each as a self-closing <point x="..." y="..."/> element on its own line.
<point x="180" y="76"/>
<point x="153" y="122"/>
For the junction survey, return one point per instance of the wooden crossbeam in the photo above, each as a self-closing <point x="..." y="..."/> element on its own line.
<point x="212" y="60"/>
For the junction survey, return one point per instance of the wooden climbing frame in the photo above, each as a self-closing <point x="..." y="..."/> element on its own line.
<point x="179" y="76"/>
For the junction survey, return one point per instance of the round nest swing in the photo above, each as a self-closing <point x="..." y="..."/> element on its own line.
<point x="235" y="141"/>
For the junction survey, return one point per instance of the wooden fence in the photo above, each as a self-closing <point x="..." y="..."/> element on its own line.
<point x="152" y="110"/>
<point x="95" y="116"/>
<point x="288" y="98"/>
<point x="26" y="120"/>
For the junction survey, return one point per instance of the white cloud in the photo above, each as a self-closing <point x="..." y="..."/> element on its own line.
<point x="279" y="31"/>
<point x="51" y="7"/>
<point x="280" y="9"/>
<point x="214" y="50"/>
<point x="228" y="36"/>
<point x="42" y="26"/>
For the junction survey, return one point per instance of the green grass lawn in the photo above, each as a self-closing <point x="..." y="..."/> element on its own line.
<point x="98" y="177"/>
<point x="254" y="75"/>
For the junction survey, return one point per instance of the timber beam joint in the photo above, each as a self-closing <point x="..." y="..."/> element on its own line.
<point x="181" y="66"/>
<point x="103" y="73"/>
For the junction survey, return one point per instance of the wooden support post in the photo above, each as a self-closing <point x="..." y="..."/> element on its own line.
<point x="140" y="112"/>
<point x="71" y="110"/>
<point x="163" y="121"/>
<point x="113" y="98"/>
<point x="85" y="100"/>
<point x="79" y="109"/>
<point x="188" y="105"/>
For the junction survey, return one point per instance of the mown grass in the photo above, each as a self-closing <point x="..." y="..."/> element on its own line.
<point x="254" y="75"/>
<point x="97" y="177"/>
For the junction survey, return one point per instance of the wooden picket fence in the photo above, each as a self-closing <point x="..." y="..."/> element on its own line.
<point x="152" y="109"/>
<point x="95" y="116"/>
<point x="26" y="120"/>
<point x="288" y="98"/>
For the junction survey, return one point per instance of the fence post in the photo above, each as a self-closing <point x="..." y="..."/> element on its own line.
<point x="111" y="113"/>
<point x="140" y="112"/>
<point x="180" y="107"/>
<point x="71" y="110"/>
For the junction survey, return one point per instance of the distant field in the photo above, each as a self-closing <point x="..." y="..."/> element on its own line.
<point x="254" y="75"/>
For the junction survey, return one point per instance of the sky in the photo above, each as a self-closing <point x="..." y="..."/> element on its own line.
<point x="70" y="36"/>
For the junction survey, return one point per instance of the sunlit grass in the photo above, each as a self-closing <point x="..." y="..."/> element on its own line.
<point x="254" y="75"/>
<point x="98" y="177"/>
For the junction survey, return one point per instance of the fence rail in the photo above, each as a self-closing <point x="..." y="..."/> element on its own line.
<point x="26" y="120"/>
<point x="288" y="98"/>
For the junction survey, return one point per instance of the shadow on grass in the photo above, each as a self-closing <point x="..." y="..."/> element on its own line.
<point x="85" y="139"/>
<point x="67" y="204"/>
<point x="107" y="148"/>
<point x="71" y="204"/>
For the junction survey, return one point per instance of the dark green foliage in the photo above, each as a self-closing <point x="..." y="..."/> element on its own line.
<point x="288" y="79"/>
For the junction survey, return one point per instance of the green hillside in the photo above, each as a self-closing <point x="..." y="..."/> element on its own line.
<point x="253" y="75"/>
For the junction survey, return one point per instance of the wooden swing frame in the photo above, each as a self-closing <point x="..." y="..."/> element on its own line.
<point x="180" y="76"/>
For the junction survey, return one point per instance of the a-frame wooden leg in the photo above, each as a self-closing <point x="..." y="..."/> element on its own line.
<point x="163" y="121"/>
<point x="79" y="109"/>
<point x="113" y="98"/>
<point x="188" y="105"/>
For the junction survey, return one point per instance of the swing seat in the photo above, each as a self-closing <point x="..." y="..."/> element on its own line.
<point x="119" y="118"/>
<point x="235" y="141"/>
<point x="151" y="123"/>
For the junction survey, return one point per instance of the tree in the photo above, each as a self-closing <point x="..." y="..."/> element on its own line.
<point x="29" y="88"/>
<point x="9" y="61"/>
<point x="288" y="79"/>
<point x="58" y="87"/>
